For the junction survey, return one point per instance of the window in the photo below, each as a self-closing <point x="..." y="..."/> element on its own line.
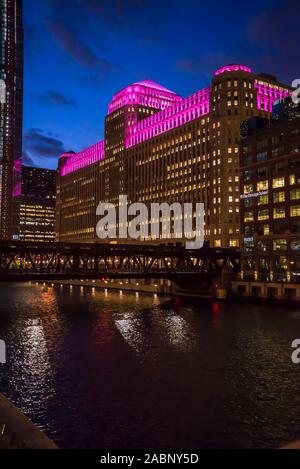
<point x="278" y="182"/>
<point x="262" y="144"/>
<point x="295" y="194"/>
<point x="295" y="211"/>
<point x="263" y="215"/>
<point x="249" y="216"/>
<point x="279" y="212"/>
<point x="294" y="148"/>
<point x="263" y="200"/>
<point x="295" y="244"/>
<point x="279" y="245"/>
<point x="234" y="243"/>
<point x="248" y="160"/>
<point x="264" y="246"/>
<point x="249" y="230"/>
<point x="248" y="188"/>
<point x="248" y="202"/>
<point x="262" y="156"/>
<point x="279" y="227"/>
<point x="278" y="197"/>
<point x="262" y="185"/>
<point x="262" y="172"/>
<point x="281" y="263"/>
<point x="248" y="175"/>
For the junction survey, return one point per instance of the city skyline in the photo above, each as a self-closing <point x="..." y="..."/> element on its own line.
<point x="64" y="111"/>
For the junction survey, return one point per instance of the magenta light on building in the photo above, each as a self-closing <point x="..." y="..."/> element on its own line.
<point x="267" y="94"/>
<point x="181" y="113"/>
<point x="173" y="111"/>
<point x="145" y="93"/>
<point x="233" y="68"/>
<point x="76" y="161"/>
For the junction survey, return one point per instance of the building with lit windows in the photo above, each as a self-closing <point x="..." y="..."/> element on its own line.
<point x="270" y="197"/>
<point x="37" y="206"/>
<point x="160" y="147"/>
<point x="11" y="109"/>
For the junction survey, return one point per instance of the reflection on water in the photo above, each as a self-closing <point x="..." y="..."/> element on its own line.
<point x="104" y="369"/>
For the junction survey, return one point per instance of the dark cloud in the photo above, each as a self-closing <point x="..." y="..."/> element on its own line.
<point x="27" y="160"/>
<point x="37" y="145"/>
<point x="55" y="98"/>
<point x="68" y="39"/>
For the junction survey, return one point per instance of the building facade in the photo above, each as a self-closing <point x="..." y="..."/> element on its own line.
<point x="160" y="147"/>
<point x="270" y="197"/>
<point x="37" y="205"/>
<point x="11" y="109"/>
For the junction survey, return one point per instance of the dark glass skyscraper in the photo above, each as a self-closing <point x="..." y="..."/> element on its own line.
<point x="11" y="98"/>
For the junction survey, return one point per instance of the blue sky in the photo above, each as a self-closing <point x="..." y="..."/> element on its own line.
<point x="78" y="53"/>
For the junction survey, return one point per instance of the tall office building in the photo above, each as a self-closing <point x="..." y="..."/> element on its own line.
<point x="270" y="196"/>
<point x="160" y="147"/>
<point x="37" y="206"/>
<point x="11" y="107"/>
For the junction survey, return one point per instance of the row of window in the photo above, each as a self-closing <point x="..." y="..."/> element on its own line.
<point x="278" y="212"/>
<point x="275" y="245"/>
<point x="276" y="183"/>
<point x="279" y="196"/>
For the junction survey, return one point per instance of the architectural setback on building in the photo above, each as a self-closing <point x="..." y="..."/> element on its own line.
<point x="11" y="109"/>
<point x="160" y="147"/>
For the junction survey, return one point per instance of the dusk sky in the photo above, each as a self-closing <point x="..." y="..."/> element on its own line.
<point x="78" y="53"/>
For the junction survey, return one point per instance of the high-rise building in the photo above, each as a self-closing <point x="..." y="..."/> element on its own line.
<point x="11" y="107"/>
<point x="37" y="206"/>
<point x="270" y="197"/>
<point x="160" y="147"/>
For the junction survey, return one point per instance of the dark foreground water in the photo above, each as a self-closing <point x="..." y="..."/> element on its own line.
<point x="104" y="370"/>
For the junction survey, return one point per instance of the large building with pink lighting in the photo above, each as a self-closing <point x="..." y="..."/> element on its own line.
<point x="161" y="147"/>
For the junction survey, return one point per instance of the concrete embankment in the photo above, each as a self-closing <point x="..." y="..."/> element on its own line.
<point x="17" y="431"/>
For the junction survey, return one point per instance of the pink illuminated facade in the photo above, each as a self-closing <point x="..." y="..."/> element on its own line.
<point x="160" y="147"/>
<point x="185" y="111"/>
<point x="145" y="93"/>
<point x="268" y="93"/>
<point x="76" y="161"/>
<point x="233" y="68"/>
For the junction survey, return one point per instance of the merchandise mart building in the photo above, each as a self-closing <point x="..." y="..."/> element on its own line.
<point x="160" y="147"/>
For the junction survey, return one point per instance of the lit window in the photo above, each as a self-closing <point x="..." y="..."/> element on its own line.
<point x="295" y="211"/>
<point x="262" y="185"/>
<point x="263" y="215"/>
<point x="278" y="197"/>
<point x="279" y="212"/>
<point x="295" y="194"/>
<point x="279" y="245"/>
<point x="263" y="199"/>
<point x="278" y="182"/>
<point x="249" y="216"/>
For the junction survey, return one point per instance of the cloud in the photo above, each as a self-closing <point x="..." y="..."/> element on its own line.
<point x="27" y="160"/>
<point x="68" y="40"/>
<point x="37" y="145"/>
<point x="55" y="98"/>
